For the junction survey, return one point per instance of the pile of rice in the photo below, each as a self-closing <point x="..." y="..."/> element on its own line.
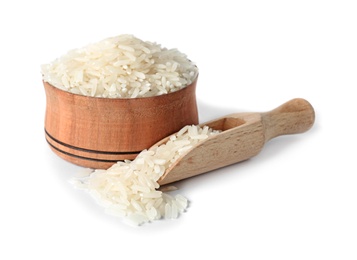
<point x="121" y="67"/>
<point x="130" y="189"/>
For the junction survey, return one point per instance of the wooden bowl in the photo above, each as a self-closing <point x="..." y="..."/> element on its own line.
<point x="97" y="132"/>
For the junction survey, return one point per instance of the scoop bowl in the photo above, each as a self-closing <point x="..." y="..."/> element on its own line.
<point x="243" y="136"/>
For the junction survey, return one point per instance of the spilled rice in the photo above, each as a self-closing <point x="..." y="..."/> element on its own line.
<point x="129" y="189"/>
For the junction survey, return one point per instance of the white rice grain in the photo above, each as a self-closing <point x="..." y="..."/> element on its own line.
<point x="129" y="189"/>
<point x="151" y="69"/>
<point x="168" y="212"/>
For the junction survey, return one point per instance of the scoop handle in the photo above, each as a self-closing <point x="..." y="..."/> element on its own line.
<point x="292" y="117"/>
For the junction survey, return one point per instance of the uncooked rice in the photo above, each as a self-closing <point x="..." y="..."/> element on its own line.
<point x="129" y="189"/>
<point x="121" y="67"/>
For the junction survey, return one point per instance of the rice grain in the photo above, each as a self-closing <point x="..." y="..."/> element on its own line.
<point x="145" y="68"/>
<point x="129" y="189"/>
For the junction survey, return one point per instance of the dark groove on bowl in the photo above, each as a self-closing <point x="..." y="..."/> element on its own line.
<point x="81" y="157"/>
<point x="88" y="150"/>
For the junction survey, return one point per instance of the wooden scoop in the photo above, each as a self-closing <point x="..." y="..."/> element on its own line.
<point x="243" y="136"/>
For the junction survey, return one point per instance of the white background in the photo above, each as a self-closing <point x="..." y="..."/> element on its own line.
<point x="296" y="200"/>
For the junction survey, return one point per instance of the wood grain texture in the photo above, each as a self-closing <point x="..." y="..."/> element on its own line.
<point x="243" y="136"/>
<point x="97" y="132"/>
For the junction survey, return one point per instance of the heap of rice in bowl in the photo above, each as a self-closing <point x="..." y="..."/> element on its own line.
<point x="121" y="67"/>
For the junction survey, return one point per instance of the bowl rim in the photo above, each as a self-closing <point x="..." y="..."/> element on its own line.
<point x="194" y="82"/>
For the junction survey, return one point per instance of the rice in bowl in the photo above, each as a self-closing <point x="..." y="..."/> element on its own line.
<point x="121" y="67"/>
